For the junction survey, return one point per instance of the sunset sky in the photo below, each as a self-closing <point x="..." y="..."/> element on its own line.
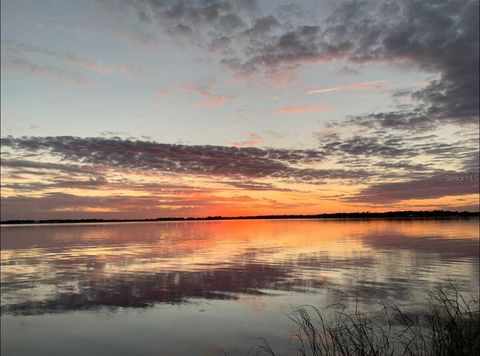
<point x="143" y="109"/>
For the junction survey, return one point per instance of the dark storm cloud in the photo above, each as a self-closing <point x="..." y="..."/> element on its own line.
<point x="439" y="37"/>
<point x="206" y="160"/>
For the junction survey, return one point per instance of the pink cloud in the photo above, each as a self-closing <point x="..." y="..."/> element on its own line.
<point x="214" y="100"/>
<point x="72" y="58"/>
<point x="253" y="139"/>
<point x="376" y="84"/>
<point x="130" y="70"/>
<point x="300" y="109"/>
<point x="96" y="67"/>
<point x="162" y="92"/>
<point x="210" y="99"/>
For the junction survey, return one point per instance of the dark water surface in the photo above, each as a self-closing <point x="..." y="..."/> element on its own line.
<point x="209" y="287"/>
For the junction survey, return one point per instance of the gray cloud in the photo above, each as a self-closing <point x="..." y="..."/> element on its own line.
<point x="66" y="168"/>
<point x="406" y="166"/>
<point x="55" y="205"/>
<point x="248" y="185"/>
<point x="150" y="156"/>
<point x="381" y="145"/>
<point x="52" y="205"/>
<point x="390" y="146"/>
<point x="345" y="70"/>
<point x="440" y="185"/>
<point x="25" y="66"/>
<point x="439" y="37"/>
<point x="387" y="158"/>
<point x="393" y="156"/>
<point x="17" y="52"/>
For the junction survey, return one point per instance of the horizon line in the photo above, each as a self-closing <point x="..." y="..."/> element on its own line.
<point x="345" y="215"/>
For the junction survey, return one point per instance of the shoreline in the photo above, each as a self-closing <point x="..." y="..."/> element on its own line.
<point x="391" y="215"/>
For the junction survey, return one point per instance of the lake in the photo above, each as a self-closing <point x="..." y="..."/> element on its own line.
<point x="211" y="287"/>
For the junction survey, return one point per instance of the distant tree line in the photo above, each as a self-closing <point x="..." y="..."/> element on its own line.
<point x="408" y="214"/>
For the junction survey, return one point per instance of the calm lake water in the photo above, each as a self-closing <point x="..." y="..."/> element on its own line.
<point x="205" y="288"/>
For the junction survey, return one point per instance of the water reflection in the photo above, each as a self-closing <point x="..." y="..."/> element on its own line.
<point x="59" y="268"/>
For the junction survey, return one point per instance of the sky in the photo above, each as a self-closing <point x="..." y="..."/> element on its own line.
<point x="149" y="108"/>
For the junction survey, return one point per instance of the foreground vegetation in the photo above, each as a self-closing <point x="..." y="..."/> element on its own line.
<point x="450" y="326"/>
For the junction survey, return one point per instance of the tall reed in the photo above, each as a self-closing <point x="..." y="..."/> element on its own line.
<point x="449" y="326"/>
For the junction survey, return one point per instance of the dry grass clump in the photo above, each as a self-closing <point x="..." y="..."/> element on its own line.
<point x="450" y="326"/>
